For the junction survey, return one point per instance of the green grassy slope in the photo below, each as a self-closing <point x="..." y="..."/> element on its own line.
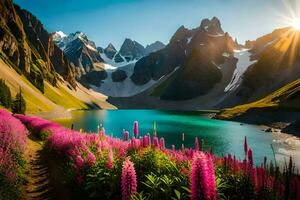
<point x="287" y="97"/>
<point x="53" y="97"/>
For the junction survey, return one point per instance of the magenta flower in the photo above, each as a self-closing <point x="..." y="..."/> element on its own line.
<point x="13" y="142"/>
<point x="110" y="159"/>
<point x="79" y="162"/>
<point x="128" y="180"/>
<point x="211" y="172"/>
<point x="250" y="158"/>
<point x="155" y="142"/>
<point x="162" y="143"/>
<point x="91" y="159"/>
<point x="146" y="141"/>
<point x="202" y="179"/>
<point x="135" y="129"/>
<point x="125" y="135"/>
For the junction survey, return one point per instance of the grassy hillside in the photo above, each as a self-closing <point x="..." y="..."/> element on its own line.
<point x="287" y="97"/>
<point x="57" y="98"/>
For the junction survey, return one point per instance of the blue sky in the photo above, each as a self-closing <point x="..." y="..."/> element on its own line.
<point x="146" y="21"/>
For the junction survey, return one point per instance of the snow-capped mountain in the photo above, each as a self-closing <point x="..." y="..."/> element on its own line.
<point x="107" y="70"/>
<point x="62" y="40"/>
<point x="130" y="51"/>
<point x="244" y="61"/>
<point x="271" y="63"/>
<point x="201" y="53"/>
<point x="81" y="51"/>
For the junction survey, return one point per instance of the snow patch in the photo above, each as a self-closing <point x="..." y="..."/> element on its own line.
<point x="189" y="40"/>
<point x="242" y="65"/>
<point x="116" y="64"/>
<point x="125" y="88"/>
<point x="60" y="34"/>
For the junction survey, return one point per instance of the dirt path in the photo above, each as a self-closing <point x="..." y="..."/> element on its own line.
<point x="38" y="185"/>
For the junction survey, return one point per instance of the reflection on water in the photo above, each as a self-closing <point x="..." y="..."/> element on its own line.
<point x="223" y="136"/>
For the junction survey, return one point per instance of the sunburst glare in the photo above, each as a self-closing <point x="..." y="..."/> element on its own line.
<point x="295" y="24"/>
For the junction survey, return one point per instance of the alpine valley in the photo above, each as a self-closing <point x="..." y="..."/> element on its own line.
<point x="187" y="114"/>
<point x="199" y="69"/>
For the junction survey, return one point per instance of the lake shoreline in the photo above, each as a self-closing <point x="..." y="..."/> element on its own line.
<point x="287" y="120"/>
<point x="291" y="128"/>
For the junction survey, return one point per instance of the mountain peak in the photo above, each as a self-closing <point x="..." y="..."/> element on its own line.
<point x="132" y="49"/>
<point x="156" y="46"/>
<point x="110" y="46"/>
<point x="212" y="26"/>
<point x="110" y="51"/>
<point x="59" y="34"/>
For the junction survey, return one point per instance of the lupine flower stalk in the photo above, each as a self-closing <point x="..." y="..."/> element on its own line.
<point x="155" y="142"/>
<point x="128" y="180"/>
<point x="135" y="129"/>
<point x="110" y="159"/>
<point x="84" y="150"/>
<point x="202" y="179"/>
<point x="162" y="143"/>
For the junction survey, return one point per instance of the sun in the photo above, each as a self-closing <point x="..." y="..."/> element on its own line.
<point x="295" y="23"/>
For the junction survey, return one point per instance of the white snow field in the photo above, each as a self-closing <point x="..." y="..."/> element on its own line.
<point x="244" y="61"/>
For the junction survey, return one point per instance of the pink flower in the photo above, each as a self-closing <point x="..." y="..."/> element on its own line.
<point x="13" y="142"/>
<point x="91" y="159"/>
<point x="146" y="141"/>
<point x="202" y="179"/>
<point x="162" y="143"/>
<point x="110" y="159"/>
<point x="250" y="158"/>
<point x="128" y="180"/>
<point x="125" y="135"/>
<point x="79" y="162"/>
<point x="211" y="172"/>
<point x="155" y="142"/>
<point x="135" y="129"/>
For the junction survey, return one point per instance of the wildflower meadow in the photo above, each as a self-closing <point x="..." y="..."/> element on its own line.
<point x="13" y="143"/>
<point x="97" y="166"/>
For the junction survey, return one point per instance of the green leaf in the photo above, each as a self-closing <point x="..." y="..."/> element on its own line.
<point x="177" y="193"/>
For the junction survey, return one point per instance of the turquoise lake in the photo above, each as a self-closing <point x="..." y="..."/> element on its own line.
<point x="223" y="136"/>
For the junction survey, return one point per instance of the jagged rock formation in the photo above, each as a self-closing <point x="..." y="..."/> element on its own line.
<point x="80" y="51"/>
<point x="132" y="50"/>
<point x="278" y="61"/>
<point x="118" y="75"/>
<point x="156" y="46"/>
<point x="195" y="54"/>
<point x="27" y="46"/>
<point x="110" y="51"/>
